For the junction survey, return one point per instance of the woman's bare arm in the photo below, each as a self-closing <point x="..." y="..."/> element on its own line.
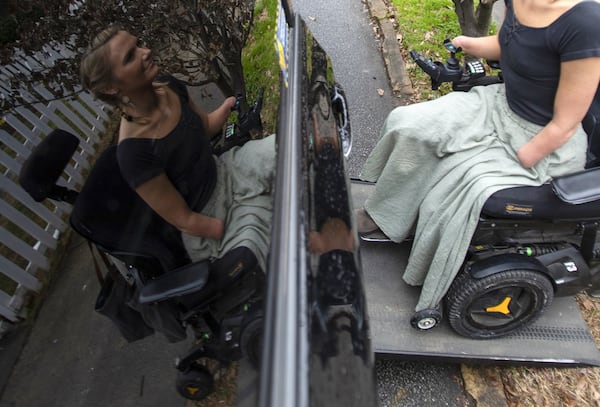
<point x="215" y="120"/>
<point x="481" y="47"/>
<point x="162" y="196"/>
<point x="577" y="86"/>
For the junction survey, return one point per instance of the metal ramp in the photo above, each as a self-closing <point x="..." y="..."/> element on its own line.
<point x="559" y="337"/>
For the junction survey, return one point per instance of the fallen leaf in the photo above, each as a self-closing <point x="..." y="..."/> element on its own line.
<point x="380" y="91"/>
<point x="587" y="304"/>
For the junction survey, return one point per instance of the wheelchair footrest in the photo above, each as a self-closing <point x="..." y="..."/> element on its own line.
<point x="182" y="281"/>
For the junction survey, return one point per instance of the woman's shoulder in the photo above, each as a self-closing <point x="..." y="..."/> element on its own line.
<point x="583" y="8"/>
<point x="131" y="130"/>
<point x="591" y="4"/>
<point x="136" y="154"/>
<point x="576" y="34"/>
<point x="132" y="144"/>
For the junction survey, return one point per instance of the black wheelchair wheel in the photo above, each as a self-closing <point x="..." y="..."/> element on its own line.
<point x="252" y="341"/>
<point x="498" y="304"/>
<point x="196" y="383"/>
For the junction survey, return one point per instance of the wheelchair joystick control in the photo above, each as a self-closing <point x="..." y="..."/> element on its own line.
<point x="463" y="78"/>
<point x="452" y="62"/>
<point x="248" y="126"/>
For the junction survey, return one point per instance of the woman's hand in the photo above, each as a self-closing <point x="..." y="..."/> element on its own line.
<point x="215" y="120"/>
<point x="205" y="226"/>
<point x="458" y="42"/>
<point x="527" y="158"/>
<point x="229" y="103"/>
<point x="216" y="230"/>
<point x="481" y="47"/>
<point x="162" y="196"/>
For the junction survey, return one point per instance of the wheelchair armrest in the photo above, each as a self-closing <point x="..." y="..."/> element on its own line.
<point x="578" y="188"/>
<point x="182" y="281"/>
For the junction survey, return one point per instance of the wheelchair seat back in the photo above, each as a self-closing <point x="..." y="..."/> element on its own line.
<point x="111" y="214"/>
<point x="106" y="211"/>
<point x="526" y="202"/>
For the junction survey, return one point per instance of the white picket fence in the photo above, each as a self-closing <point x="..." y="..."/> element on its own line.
<point x="30" y="231"/>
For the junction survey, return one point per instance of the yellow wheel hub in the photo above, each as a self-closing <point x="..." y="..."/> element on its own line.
<point x="501" y="308"/>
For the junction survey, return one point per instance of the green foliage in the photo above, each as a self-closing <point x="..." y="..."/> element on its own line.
<point x="11" y="21"/>
<point x="424" y="26"/>
<point x="8" y="29"/>
<point x="199" y="40"/>
<point x="259" y="59"/>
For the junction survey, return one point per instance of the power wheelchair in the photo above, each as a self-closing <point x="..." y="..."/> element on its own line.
<point x="531" y="244"/>
<point x="151" y="284"/>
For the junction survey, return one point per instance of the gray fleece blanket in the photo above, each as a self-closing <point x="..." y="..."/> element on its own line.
<point x="436" y="164"/>
<point x="243" y="198"/>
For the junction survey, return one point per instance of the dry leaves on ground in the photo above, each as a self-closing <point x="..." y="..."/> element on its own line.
<point x="225" y="391"/>
<point x="542" y="386"/>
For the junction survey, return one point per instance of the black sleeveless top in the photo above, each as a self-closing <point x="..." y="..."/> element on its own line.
<point x="184" y="155"/>
<point x="531" y="57"/>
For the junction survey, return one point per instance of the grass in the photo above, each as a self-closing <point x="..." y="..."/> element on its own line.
<point x="259" y="59"/>
<point x="423" y="26"/>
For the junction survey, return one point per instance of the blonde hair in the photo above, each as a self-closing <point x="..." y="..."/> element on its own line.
<point x="95" y="70"/>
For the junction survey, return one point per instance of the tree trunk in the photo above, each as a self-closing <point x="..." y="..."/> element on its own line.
<point x="232" y="80"/>
<point x="474" y="21"/>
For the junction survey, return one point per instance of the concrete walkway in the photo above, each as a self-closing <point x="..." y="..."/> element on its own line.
<point x="75" y="357"/>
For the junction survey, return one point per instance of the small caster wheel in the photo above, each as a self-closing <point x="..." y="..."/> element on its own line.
<point x="196" y="383"/>
<point x="426" y="319"/>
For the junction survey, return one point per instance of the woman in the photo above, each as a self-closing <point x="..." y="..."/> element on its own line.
<point x="437" y="162"/>
<point x="165" y="154"/>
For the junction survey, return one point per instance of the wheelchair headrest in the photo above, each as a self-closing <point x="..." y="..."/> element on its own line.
<point x="111" y="214"/>
<point x="46" y="163"/>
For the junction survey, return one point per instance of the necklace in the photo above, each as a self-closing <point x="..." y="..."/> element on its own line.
<point x="128" y="117"/>
<point x="131" y="118"/>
